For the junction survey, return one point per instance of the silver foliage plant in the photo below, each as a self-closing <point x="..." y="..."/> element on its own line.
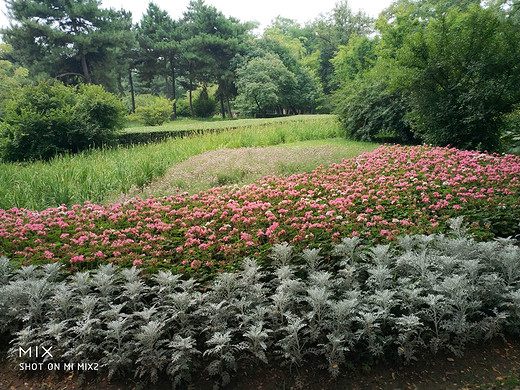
<point x="422" y="294"/>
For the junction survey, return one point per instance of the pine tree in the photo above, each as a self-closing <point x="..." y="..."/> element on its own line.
<point x="68" y="38"/>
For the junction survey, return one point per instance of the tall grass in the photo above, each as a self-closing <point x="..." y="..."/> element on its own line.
<point x="95" y="175"/>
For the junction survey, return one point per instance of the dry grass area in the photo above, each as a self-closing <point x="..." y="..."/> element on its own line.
<point x="245" y="165"/>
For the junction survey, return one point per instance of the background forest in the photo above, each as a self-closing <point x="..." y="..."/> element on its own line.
<point x="432" y="71"/>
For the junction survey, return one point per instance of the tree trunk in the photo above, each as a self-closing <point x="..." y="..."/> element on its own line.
<point x="120" y="84"/>
<point x="174" y="93"/>
<point x="83" y="57"/>
<point x="222" y="107"/>
<point x="230" y="114"/>
<point x="258" y="104"/>
<point x="84" y="68"/>
<point x="167" y="83"/>
<point x="191" y="102"/>
<point x="131" y="80"/>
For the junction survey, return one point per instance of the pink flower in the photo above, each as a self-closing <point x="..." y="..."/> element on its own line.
<point x="245" y="236"/>
<point x="195" y="264"/>
<point x="76" y="259"/>
<point x="412" y="188"/>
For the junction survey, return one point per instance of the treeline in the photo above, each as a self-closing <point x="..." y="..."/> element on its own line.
<point x="286" y="70"/>
<point x="434" y="71"/>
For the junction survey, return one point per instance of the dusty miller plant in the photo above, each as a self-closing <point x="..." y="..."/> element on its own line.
<point x="436" y="293"/>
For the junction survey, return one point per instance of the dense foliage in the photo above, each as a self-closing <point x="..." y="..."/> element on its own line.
<point x="461" y="75"/>
<point x="369" y="111"/>
<point x="426" y="71"/>
<point x="263" y="83"/>
<point x="341" y="308"/>
<point x="167" y="57"/>
<point x="42" y="121"/>
<point x="448" y="72"/>
<point x="377" y="196"/>
<point x="153" y="110"/>
<point x="12" y="77"/>
<point x="67" y="40"/>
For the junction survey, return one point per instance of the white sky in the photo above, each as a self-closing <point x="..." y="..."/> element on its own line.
<point x="263" y="11"/>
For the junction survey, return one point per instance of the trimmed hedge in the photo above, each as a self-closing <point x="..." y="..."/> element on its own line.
<point x="126" y="139"/>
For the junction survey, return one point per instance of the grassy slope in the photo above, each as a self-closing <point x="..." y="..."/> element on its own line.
<point x="247" y="165"/>
<point x="97" y="175"/>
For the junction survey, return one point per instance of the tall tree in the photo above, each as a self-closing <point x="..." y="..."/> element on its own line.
<point x="293" y="54"/>
<point x="334" y="30"/>
<point x="366" y="105"/>
<point x="460" y="72"/>
<point x="211" y="42"/>
<point x="158" y="37"/>
<point x="263" y="84"/>
<point x="59" y="38"/>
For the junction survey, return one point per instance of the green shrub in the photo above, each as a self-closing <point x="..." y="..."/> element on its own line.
<point x="183" y="108"/>
<point x="370" y="112"/>
<point x="204" y="105"/>
<point x="12" y="77"/>
<point x="45" y="120"/>
<point x="153" y="110"/>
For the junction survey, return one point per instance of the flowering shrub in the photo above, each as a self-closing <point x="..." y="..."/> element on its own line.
<point x="376" y="196"/>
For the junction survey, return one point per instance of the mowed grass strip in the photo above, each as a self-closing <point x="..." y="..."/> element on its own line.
<point x="95" y="175"/>
<point x="247" y="165"/>
<point x="218" y="123"/>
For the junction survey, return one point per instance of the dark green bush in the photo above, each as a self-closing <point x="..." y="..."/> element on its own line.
<point x="183" y="108"/>
<point x="460" y="73"/>
<point x="369" y="111"/>
<point x="44" y="120"/>
<point x="204" y="105"/>
<point x="153" y="110"/>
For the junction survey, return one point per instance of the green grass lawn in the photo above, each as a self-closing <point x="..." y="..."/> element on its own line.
<point x="217" y="123"/>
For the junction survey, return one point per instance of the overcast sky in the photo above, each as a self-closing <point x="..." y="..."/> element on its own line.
<point x="263" y="11"/>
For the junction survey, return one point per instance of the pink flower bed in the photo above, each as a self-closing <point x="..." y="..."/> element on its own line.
<point x="380" y="195"/>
